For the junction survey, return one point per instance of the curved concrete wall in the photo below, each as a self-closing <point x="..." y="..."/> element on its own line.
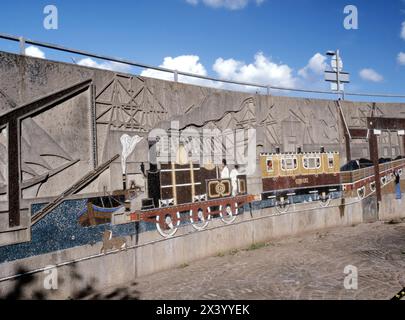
<point x="151" y="254"/>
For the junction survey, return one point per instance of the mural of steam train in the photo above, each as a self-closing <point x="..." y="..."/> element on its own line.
<point x="319" y="175"/>
<point x="188" y="192"/>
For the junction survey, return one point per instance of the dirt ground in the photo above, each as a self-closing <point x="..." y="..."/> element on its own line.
<point x="311" y="266"/>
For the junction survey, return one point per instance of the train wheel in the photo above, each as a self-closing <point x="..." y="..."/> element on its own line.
<point x="282" y="205"/>
<point x="202" y="218"/>
<point x="228" y="213"/>
<point x="167" y="227"/>
<point x="361" y="192"/>
<point x="324" y="200"/>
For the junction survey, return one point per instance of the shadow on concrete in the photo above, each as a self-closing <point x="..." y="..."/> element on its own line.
<point x="21" y="283"/>
<point x="90" y="293"/>
<point x="122" y="293"/>
<point x="26" y="286"/>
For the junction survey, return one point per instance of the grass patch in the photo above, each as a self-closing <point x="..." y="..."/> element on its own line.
<point x="252" y="247"/>
<point x="256" y="246"/>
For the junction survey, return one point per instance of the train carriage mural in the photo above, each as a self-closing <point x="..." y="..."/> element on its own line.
<point x="186" y="192"/>
<point x="183" y="191"/>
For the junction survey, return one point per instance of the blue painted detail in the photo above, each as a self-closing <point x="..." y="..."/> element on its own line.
<point x="60" y="230"/>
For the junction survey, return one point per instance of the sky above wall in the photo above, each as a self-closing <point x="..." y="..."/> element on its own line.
<point x="276" y="42"/>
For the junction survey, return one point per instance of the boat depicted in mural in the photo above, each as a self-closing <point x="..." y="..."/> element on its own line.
<point x="100" y="210"/>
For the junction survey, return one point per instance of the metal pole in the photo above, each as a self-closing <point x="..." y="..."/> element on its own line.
<point x="22" y="46"/>
<point x="338" y="71"/>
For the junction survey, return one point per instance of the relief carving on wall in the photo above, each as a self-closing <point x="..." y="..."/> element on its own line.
<point x="42" y="156"/>
<point x="128" y="104"/>
<point x="3" y="163"/>
<point x="220" y="129"/>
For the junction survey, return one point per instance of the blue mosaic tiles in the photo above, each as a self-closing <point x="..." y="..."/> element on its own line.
<point x="60" y="230"/>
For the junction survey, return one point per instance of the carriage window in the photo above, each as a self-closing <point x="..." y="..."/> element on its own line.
<point x="289" y="164"/>
<point x="331" y="162"/>
<point x="312" y="162"/>
<point x="269" y="165"/>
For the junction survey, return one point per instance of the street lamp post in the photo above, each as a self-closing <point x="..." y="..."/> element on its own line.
<point x="337" y="75"/>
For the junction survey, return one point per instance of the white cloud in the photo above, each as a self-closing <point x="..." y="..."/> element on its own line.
<point x="227" y="4"/>
<point x="315" y="67"/>
<point x="403" y="30"/>
<point x="108" y="65"/>
<point x="401" y="58"/>
<point x="371" y="75"/>
<point x="35" y="52"/>
<point x="185" y="63"/>
<point x="261" y="71"/>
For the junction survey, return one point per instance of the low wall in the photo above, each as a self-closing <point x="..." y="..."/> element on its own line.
<point x="149" y="254"/>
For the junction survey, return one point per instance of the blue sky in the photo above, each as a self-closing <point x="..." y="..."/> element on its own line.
<point x="249" y="40"/>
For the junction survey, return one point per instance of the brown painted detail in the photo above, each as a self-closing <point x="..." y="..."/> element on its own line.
<point x="242" y="184"/>
<point x="386" y="169"/>
<point x="219" y="188"/>
<point x="13" y="174"/>
<point x="357" y="133"/>
<point x="346" y="134"/>
<point x="373" y="145"/>
<point x="381" y="124"/>
<point x="180" y="182"/>
<point x="302" y="181"/>
<point x="386" y="123"/>
<point x="403" y="143"/>
<point x="150" y="215"/>
<point x="348" y="148"/>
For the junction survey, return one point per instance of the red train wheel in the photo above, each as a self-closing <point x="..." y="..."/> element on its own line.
<point x="228" y="212"/>
<point x="200" y="218"/>
<point x="167" y="224"/>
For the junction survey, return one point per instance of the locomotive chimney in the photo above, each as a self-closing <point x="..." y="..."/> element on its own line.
<point x="299" y="150"/>
<point x="322" y="149"/>
<point x="277" y="150"/>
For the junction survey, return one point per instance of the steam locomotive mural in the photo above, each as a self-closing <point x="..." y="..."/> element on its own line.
<point x="189" y="192"/>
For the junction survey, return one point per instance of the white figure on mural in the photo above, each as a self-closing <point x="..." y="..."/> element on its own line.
<point x="128" y="146"/>
<point x="225" y="170"/>
<point x="234" y="180"/>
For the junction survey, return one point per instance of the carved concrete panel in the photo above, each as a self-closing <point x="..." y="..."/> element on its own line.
<point x="3" y="169"/>
<point x="56" y="148"/>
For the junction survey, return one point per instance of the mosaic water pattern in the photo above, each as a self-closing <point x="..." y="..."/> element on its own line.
<point x="61" y="230"/>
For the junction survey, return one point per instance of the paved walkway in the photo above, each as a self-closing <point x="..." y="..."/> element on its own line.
<point x="306" y="267"/>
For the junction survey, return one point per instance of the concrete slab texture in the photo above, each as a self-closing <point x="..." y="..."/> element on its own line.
<point x="310" y="266"/>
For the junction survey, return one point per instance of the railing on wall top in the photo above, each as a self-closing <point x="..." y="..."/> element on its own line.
<point x="23" y="41"/>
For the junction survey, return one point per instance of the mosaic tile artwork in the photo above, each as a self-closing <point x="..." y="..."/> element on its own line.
<point x="60" y="230"/>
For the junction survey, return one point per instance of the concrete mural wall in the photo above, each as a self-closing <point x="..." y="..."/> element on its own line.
<point x="80" y="130"/>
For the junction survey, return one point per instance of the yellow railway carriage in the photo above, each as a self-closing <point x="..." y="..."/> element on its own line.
<point x="285" y="174"/>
